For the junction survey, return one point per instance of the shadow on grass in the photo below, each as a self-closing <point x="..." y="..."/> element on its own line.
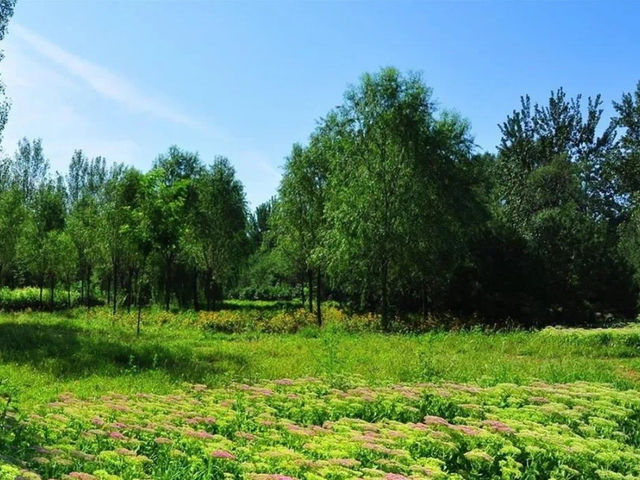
<point x="71" y="352"/>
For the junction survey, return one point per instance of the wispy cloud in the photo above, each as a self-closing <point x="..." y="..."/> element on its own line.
<point x="103" y="81"/>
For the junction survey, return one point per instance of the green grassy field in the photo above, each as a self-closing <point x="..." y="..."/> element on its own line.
<point x="84" y="360"/>
<point x="92" y="353"/>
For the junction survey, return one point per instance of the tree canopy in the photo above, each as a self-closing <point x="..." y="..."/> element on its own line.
<point x="388" y="206"/>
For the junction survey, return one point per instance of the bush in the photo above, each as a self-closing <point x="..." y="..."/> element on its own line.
<point x="265" y="292"/>
<point x="285" y="320"/>
<point x="264" y="321"/>
<point x="29" y="297"/>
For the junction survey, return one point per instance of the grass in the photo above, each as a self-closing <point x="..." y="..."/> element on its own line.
<point x="96" y="401"/>
<point x="93" y="353"/>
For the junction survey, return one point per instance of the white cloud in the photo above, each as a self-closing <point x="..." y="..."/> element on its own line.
<point x="73" y="104"/>
<point x="103" y="81"/>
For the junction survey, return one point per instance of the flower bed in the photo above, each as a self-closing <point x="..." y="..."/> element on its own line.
<point x="307" y="429"/>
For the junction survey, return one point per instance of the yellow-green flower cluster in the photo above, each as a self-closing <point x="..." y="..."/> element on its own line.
<point x="307" y="429"/>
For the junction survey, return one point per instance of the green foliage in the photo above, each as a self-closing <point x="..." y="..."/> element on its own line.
<point x="386" y="208"/>
<point x="218" y="242"/>
<point x="259" y="222"/>
<point x="555" y="189"/>
<point x="393" y="166"/>
<point x="12" y="214"/>
<point x="627" y="167"/>
<point x="265" y="291"/>
<point x="28" y="298"/>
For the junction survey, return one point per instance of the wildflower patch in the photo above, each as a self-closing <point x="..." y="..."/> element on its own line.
<point x="308" y="429"/>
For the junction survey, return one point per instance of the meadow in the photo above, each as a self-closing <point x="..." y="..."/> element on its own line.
<point x="257" y="391"/>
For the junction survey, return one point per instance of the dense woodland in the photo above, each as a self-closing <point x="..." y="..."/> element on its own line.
<point x="388" y="207"/>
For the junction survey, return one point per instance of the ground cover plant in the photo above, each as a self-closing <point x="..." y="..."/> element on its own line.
<point x="88" y="398"/>
<point x="307" y="428"/>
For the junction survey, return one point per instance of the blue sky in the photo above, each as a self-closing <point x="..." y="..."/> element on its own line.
<point x="248" y="79"/>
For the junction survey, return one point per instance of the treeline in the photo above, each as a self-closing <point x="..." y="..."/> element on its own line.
<point x="177" y="233"/>
<point x="388" y="207"/>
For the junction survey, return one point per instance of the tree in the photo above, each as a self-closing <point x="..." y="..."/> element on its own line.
<point x="259" y="223"/>
<point x="67" y="262"/>
<point x="628" y="161"/>
<point x="299" y="217"/>
<point x="30" y="168"/>
<point x="12" y="213"/>
<point x="538" y="136"/>
<point x="36" y="246"/>
<point x="122" y="195"/>
<point x="58" y="262"/>
<point x="86" y="186"/>
<point x="165" y="210"/>
<point x="555" y="189"/>
<point x="628" y="174"/>
<point x="218" y="239"/>
<point x="391" y="159"/>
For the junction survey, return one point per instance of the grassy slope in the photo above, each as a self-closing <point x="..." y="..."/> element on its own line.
<point x="44" y="354"/>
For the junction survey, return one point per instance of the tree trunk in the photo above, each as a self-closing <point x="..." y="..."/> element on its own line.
<point x="302" y="296"/>
<point x="115" y="287"/>
<point x="318" y="299"/>
<point x="88" y="296"/>
<point x="167" y="294"/>
<point x="81" y="290"/>
<point x="108" y="291"/>
<point x="129" y="290"/>
<point x="310" y="275"/>
<point x="69" y="294"/>
<point x="424" y="301"/>
<point x="207" y="289"/>
<point x="53" y="285"/>
<point x="196" y="304"/>
<point x="385" y="297"/>
<point x="139" y="304"/>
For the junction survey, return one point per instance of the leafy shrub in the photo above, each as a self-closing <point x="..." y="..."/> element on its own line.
<point x="29" y="298"/>
<point x="286" y="320"/>
<point x="242" y="321"/>
<point x="265" y="292"/>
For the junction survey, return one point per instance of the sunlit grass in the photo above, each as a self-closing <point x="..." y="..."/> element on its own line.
<point x="90" y="353"/>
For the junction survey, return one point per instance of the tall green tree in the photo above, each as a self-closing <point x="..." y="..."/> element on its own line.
<point x="122" y="196"/>
<point x="300" y="213"/>
<point x="12" y="214"/>
<point x="36" y="247"/>
<point x="30" y="168"/>
<point x="628" y="161"/>
<point x="555" y="189"/>
<point x="164" y="207"/>
<point x="259" y="222"/>
<point x="85" y="185"/>
<point x="628" y="173"/>
<point x="218" y="238"/>
<point x="391" y="158"/>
